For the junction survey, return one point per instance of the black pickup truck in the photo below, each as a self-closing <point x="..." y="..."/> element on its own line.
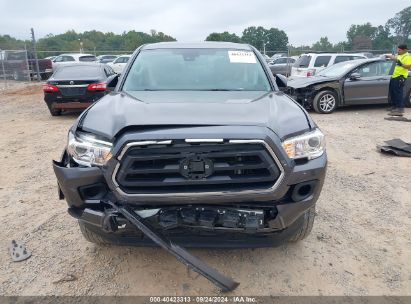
<point x="19" y="65"/>
<point x="210" y="153"/>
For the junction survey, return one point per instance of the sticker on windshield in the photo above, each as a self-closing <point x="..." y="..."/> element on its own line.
<point x="241" y="57"/>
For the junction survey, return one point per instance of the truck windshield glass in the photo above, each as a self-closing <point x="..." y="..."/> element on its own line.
<point x="196" y="69"/>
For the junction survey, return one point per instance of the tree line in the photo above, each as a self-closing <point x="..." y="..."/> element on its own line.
<point x="89" y="41"/>
<point x="359" y="37"/>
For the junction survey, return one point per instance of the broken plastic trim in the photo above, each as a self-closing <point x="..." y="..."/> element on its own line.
<point x="220" y="280"/>
<point x="395" y="147"/>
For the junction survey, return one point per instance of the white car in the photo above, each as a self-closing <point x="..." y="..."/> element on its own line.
<point x="119" y="64"/>
<point x="106" y="58"/>
<point x="71" y="58"/>
<point x="311" y="63"/>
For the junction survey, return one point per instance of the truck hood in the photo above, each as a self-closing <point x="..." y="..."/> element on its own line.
<point x="118" y="110"/>
<point x="303" y="82"/>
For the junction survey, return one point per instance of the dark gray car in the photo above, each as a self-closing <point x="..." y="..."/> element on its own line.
<point x="282" y="66"/>
<point x="212" y="154"/>
<point x="357" y="82"/>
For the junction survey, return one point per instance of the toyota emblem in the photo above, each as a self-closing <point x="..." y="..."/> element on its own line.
<point x="72" y="82"/>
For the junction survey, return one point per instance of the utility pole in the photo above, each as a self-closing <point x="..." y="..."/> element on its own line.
<point x="35" y="54"/>
<point x="27" y="60"/>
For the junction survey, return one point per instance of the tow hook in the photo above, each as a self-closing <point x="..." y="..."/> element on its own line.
<point x="109" y="223"/>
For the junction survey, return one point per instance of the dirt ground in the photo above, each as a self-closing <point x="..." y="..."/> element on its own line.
<point x="360" y="244"/>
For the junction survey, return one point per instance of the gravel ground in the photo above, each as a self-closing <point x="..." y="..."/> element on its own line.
<point x="360" y="244"/>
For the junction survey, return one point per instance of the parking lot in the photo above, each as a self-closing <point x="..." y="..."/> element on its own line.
<point x="360" y="243"/>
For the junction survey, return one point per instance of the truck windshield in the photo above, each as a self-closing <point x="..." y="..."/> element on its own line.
<point x="196" y="69"/>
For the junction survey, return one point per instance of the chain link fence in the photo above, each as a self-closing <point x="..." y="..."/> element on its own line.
<point x="14" y="67"/>
<point x="18" y="66"/>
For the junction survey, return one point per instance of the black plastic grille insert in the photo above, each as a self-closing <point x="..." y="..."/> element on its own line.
<point x="161" y="168"/>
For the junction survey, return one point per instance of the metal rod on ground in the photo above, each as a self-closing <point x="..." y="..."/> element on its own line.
<point x="220" y="280"/>
<point x="35" y="54"/>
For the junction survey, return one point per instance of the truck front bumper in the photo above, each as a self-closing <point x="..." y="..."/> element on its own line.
<point x="89" y="196"/>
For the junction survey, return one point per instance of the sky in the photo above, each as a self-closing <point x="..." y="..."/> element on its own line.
<point x="192" y="20"/>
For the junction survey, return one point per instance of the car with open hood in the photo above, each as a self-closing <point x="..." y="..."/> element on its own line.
<point x="356" y="82"/>
<point x="310" y="64"/>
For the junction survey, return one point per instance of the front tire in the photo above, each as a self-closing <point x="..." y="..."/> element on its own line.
<point x="325" y="102"/>
<point x="306" y="226"/>
<point x="90" y="235"/>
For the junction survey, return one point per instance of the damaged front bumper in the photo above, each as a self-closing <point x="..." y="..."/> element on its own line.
<point x="302" y="96"/>
<point x="228" y="224"/>
<point x="196" y="224"/>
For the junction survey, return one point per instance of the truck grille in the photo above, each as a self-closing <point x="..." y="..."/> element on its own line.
<point x="185" y="167"/>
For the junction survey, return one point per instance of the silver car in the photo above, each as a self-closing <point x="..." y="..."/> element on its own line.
<point x="282" y="66"/>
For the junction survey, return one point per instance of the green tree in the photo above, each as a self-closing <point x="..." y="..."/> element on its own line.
<point x="277" y="40"/>
<point x="361" y="32"/>
<point x="9" y="43"/>
<point x="401" y="25"/>
<point x="341" y="46"/>
<point x="224" y="36"/>
<point x="383" y="40"/>
<point x="132" y="40"/>
<point x="96" y="40"/>
<point x="254" y="36"/>
<point x="273" y="38"/>
<point x="323" y="45"/>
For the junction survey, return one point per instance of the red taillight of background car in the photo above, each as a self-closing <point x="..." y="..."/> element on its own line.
<point x="101" y="86"/>
<point x="50" y="88"/>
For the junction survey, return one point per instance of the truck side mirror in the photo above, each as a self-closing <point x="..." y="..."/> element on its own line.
<point x="113" y="82"/>
<point x="281" y="80"/>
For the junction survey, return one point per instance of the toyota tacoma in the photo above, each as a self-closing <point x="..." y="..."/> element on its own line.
<point x="195" y="146"/>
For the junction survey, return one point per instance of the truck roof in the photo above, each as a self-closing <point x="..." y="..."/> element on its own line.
<point x="198" y="45"/>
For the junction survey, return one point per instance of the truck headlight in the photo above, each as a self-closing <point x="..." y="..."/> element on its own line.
<point x="87" y="150"/>
<point x="309" y="145"/>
